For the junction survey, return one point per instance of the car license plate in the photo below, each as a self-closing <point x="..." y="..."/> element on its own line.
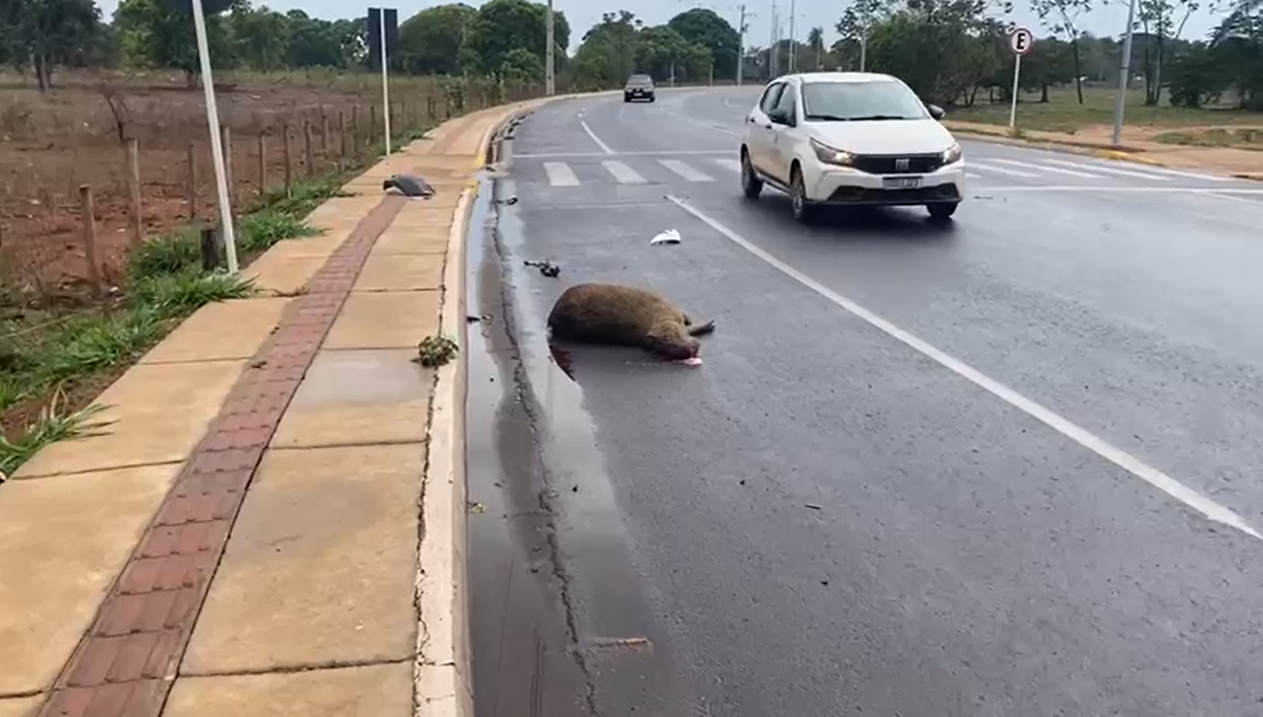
<point x="901" y="183"/>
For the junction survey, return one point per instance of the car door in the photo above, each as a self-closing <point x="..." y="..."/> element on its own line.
<point x="780" y="147"/>
<point x="759" y="128"/>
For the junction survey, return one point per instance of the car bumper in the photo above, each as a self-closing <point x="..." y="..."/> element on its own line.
<point x="838" y="185"/>
<point x="638" y="94"/>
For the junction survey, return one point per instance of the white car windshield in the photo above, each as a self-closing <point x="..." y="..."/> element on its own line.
<point x="858" y="101"/>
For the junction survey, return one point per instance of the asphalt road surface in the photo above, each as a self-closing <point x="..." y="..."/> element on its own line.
<point x="1008" y="467"/>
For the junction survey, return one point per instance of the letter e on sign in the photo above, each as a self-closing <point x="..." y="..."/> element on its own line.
<point x="1021" y="41"/>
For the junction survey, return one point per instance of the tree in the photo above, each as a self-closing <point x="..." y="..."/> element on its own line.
<point x="430" y="41"/>
<point x="815" y="43"/>
<point x="701" y="26"/>
<point x="153" y="34"/>
<point x="501" y="26"/>
<point x="1161" y="21"/>
<point x="46" y="33"/>
<point x="608" y="53"/>
<point x="261" y="38"/>
<point x="1061" y="17"/>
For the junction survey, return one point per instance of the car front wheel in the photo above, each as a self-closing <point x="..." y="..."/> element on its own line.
<point x="943" y="211"/>
<point x="804" y="210"/>
<point x="751" y="185"/>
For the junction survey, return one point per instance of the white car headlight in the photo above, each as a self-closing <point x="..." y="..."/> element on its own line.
<point x="829" y="155"/>
<point x="952" y="154"/>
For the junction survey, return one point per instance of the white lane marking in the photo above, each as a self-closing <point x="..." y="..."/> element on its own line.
<point x="1001" y="170"/>
<point x="1047" y="416"/>
<point x="1222" y="194"/>
<point x="971" y="175"/>
<point x="560" y="174"/>
<point x="604" y="147"/>
<point x="1108" y="170"/>
<point x="685" y="170"/>
<point x="732" y="165"/>
<point x="1045" y="168"/>
<point x="623" y="173"/>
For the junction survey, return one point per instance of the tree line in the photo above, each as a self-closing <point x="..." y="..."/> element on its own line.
<point x="950" y="51"/>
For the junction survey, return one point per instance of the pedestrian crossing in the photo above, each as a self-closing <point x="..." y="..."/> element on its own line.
<point x="642" y="170"/>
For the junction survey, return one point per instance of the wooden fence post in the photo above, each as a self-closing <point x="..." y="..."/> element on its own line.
<point x="324" y="133"/>
<point x="342" y="137"/>
<point x="226" y="143"/>
<point x="355" y="130"/>
<point x="372" y="123"/>
<point x="192" y="187"/>
<point x="88" y="213"/>
<point x="289" y="164"/>
<point x="133" y="186"/>
<point x="209" y="249"/>
<point x="307" y="153"/>
<point x="263" y="163"/>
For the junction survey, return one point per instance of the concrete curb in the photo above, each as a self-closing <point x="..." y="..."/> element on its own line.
<point x="443" y="677"/>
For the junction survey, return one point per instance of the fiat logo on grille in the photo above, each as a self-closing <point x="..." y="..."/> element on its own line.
<point x="901" y="165"/>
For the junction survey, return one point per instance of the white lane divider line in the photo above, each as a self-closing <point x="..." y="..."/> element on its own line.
<point x="1039" y="412"/>
<point x="560" y="174"/>
<point x="1000" y="170"/>
<point x="604" y="147"/>
<point x="685" y="170"/>
<point x="1108" y="170"/>
<point x="623" y="173"/>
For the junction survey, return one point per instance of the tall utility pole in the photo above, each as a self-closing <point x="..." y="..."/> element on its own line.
<point x="1124" y="75"/>
<point x="741" y="43"/>
<point x="550" y="60"/>
<point x="793" y="50"/>
<point x="772" y="49"/>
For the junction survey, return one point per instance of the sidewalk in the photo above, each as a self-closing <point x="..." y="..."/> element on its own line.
<point x="1241" y="163"/>
<point x="297" y="423"/>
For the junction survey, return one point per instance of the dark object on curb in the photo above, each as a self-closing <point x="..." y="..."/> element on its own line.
<point x="507" y="202"/>
<point x="618" y="315"/>
<point x="547" y="268"/>
<point x="408" y="185"/>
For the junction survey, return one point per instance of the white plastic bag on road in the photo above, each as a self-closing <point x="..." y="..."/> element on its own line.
<point x="669" y="236"/>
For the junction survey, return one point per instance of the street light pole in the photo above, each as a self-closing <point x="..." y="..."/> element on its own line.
<point x="793" y="50"/>
<point x="550" y="79"/>
<point x="1124" y="74"/>
<point x="741" y="44"/>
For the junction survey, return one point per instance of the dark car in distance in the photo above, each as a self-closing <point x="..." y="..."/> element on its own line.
<point x="638" y="87"/>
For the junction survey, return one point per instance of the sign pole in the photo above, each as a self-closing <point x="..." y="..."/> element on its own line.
<point x="217" y="147"/>
<point x="1021" y="41"/>
<point x="1017" y="72"/>
<point x="381" y="26"/>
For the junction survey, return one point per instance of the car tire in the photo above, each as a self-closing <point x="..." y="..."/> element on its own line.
<point x="751" y="185"/>
<point x="626" y="98"/>
<point x="804" y="209"/>
<point x="652" y="98"/>
<point x="942" y="211"/>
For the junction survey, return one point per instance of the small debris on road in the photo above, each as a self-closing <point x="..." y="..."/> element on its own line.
<point x="813" y="506"/>
<point x="476" y="508"/>
<point x="485" y="318"/>
<point x="669" y="236"/>
<point x="507" y="201"/>
<point x="547" y="268"/>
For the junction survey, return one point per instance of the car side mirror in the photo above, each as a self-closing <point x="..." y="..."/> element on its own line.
<point x="781" y="115"/>
<point x="936" y="112"/>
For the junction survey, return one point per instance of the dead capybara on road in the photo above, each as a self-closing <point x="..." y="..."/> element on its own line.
<point x="625" y="316"/>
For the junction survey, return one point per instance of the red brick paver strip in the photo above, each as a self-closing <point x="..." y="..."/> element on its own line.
<point x="128" y="659"/>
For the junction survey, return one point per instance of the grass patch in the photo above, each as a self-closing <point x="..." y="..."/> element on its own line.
<point x="1063" y="113"/>
<point x="54" y="424"/>
<point x="1239" y="138"/>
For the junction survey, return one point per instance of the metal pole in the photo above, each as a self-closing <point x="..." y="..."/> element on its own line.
<point x="741" y="45"/>
<point x="1124" y="73"/>
<point x="381" y="17"/>
<point x="217" y="147"/>
<point x="793" y="50"/>
<point x="1017" y="69"/>
<point x="550" y="80"/>
<point x="863" y="48"/>
<point x="772" y="49"/>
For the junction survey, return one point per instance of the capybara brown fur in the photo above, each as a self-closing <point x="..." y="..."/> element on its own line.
<point x="625" y="316"/>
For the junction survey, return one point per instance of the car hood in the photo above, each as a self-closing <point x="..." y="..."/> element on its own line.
<point x="925" y="136"/>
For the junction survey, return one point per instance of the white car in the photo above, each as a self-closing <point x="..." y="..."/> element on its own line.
<point x="850" y="138"/>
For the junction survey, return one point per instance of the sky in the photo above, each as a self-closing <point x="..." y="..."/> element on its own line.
<point x="1107" y="18"/>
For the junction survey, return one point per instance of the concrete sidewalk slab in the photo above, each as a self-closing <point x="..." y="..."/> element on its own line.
<point x="400" y="272"/>
<point x="372" y="691"/>
<point x="20" y="706"/>
<point x="319" y="568"/>
<point x="158" y="413"/>
<point x="54" y="579"/>
<point x="203" y="336"/>
<point x="388" y="402"/>
<point x="385" y="320"/>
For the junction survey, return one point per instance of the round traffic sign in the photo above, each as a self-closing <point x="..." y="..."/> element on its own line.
<point x="1021" y="41"/>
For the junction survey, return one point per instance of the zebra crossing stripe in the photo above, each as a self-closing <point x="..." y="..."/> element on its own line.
<point x="733" y="165"/>
<point x="1044" y="168"/>
<point x="622" y="173"/>
<point x="1109" y="170"/>
<point x="1000" y="170"/>
<point x="560" y="174"/>
<point x="685" y="170"/>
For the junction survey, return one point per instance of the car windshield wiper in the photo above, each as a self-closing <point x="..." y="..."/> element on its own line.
<point x="866" y="118"/>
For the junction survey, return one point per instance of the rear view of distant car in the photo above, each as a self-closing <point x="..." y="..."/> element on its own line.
<point x="638" y="87"/>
